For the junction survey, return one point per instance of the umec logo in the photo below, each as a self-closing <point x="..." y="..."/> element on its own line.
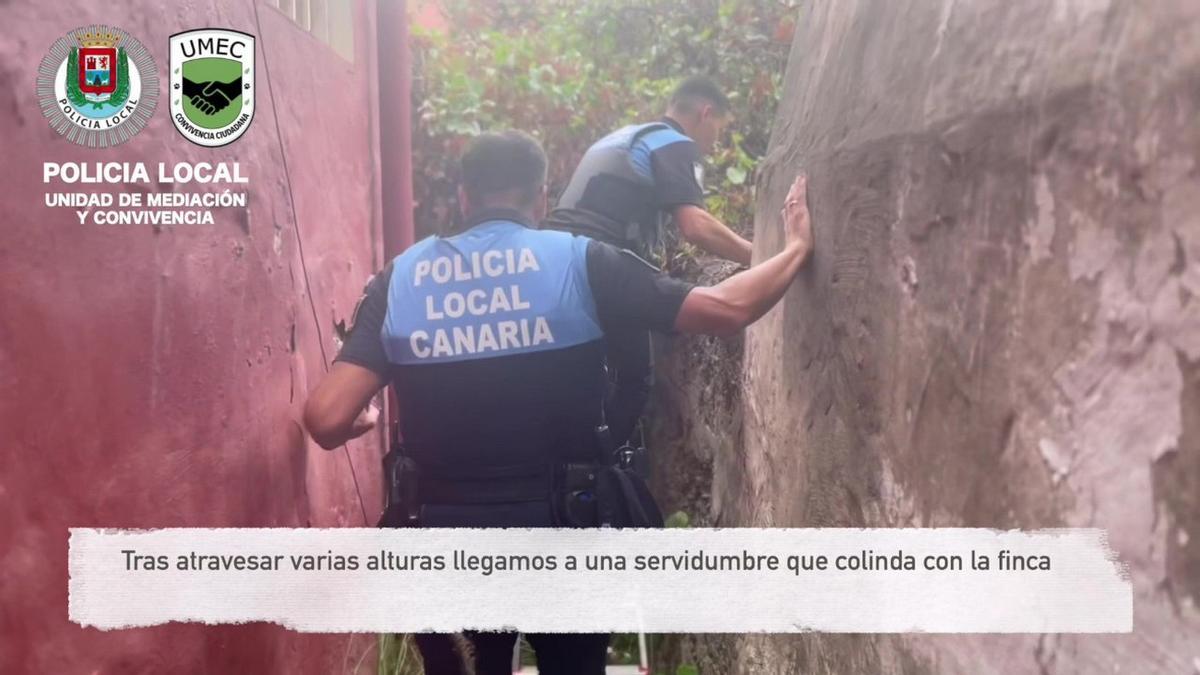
<point x="212" y="85"/>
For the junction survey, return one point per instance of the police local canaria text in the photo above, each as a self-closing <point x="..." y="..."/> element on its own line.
<point x="481" y="337"/>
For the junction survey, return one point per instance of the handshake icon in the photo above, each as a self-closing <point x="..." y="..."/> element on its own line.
<point x="211" y="97"/>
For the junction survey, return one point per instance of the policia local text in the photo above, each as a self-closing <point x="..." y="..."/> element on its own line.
<point x="699" y="561"/>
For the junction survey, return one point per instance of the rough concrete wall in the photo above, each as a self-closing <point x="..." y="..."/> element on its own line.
<point x="695" y="414"/>
<point x="153" y="378"/>
<point x="1000" y="326"/>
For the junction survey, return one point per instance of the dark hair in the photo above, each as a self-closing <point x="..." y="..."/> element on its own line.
<point x="503" y="162"/>
<point x="699" y="89"/>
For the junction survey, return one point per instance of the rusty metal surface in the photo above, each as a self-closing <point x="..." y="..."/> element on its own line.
<point x="153" y="378"/>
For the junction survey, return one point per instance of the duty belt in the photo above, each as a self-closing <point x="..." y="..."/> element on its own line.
<point x="569" y="489"/>
<point x="608" y="492"/>
<point x="501" y="485"/>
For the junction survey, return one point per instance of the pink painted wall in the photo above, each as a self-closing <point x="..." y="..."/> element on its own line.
<point x="155" y="378"/>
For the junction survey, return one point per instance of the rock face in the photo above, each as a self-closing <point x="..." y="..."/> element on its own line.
<point x="1001" y="324"/>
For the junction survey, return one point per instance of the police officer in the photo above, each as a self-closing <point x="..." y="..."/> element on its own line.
<point x="629" y="184"/>
<point x="493" y="339"/>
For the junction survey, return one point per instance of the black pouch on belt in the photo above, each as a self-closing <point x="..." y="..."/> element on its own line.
<point x="623" y="499"/>
<point x="400" y="487"/>
<point x="575" y="505"/>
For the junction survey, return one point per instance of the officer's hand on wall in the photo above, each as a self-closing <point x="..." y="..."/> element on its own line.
<point x="366" y="421"/>
<point x="797" y="226"/>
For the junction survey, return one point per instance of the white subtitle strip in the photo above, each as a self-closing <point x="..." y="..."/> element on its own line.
<point x="674" y="580"/>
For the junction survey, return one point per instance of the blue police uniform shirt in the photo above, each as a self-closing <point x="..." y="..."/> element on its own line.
<point x="499" y="288"/>
<point x="628" y="182"/>
<point x="493" y="340"/>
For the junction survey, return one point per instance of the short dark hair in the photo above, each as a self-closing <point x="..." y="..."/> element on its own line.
<point x="502" y="162"/>
<point x="699" y="89"/>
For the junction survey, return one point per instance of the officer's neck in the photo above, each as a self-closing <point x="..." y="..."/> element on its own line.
<point x="674" y="122"/>
<point x="498" y="210"/>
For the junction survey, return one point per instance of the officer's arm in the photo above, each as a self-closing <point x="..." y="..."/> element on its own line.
<point x="704" y="230"/>
<point x="337" y="410"/>
<point x="678" y="190"/>
<point x="743" y="298"/>
<point x="630" y="293"/>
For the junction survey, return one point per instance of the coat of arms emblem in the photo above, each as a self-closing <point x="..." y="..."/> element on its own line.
<point x="97" y="86"/>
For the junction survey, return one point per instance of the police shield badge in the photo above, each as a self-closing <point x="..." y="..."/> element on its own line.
<point x="97" y="86"/>
<point x="212" y="85"/>
<point x="96" y="68"/>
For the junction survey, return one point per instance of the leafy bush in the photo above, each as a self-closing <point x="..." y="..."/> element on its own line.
<point x="570" y="71"/>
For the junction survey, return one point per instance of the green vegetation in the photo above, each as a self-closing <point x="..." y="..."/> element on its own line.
<point x="570" y="71"/>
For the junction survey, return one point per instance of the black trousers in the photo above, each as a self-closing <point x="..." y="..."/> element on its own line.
<point x="557" y="653"/>
<point x="492" y="653"/>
